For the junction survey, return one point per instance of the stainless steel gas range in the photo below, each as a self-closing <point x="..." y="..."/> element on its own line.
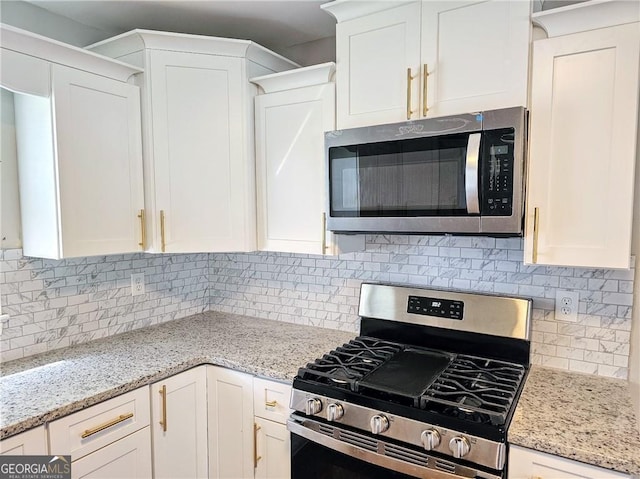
<point x="427" y="389"/>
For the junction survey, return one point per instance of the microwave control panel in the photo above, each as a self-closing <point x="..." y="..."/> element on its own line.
<point x="497" y="172"/>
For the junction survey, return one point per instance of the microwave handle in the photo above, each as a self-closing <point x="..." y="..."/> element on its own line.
<point x="471" y="173"/>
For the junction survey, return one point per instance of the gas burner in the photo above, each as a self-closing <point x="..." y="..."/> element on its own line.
<point x="351" y="362"/>
<point x="475" y="385"/>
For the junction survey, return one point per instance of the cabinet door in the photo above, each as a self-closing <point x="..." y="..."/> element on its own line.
<point x="476" y="54"/>
<point x="29" y="443"/>
<point x="127" y="458"/>
<point x="290" y="128"/>
<point x="529" y="464"/>
<point x="583" y="148"/>
<point x="231" y="427"/>
<point x="273" y="450"/>
<point x="179" y="425"/>
<point x="199" y="176"/>
<point x="99" y="163"/>
<point x="372" y="56"/>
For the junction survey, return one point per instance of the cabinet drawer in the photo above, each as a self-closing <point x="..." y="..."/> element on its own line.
<point x="271" y="400"/>
<point x="100" y="425"/>
<point x="29" y="443"/>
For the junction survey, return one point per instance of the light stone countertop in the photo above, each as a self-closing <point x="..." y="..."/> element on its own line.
<point x="41" y="388"/>
<point x="580" y="417"/>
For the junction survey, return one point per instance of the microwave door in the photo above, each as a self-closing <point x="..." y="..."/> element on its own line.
<point x="471" y="173"/>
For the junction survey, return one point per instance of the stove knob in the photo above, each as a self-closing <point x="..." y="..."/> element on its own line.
<point x="334" y="412"/>
<point x="379" y="424"/>
<point x="459" y="446"/>
<point x="430" y="439"/>
<point x="313" y="406"/>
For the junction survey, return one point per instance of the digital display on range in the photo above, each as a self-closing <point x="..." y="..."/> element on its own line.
<point x="442" y="308"/>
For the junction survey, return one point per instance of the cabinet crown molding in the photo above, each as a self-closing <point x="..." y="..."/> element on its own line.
<point x="138" y="40"/>
<point x="344" y="10"/>
<point x="296" y="78"/>
<point x="584" y="16"/>
<point x="38" y="46"/>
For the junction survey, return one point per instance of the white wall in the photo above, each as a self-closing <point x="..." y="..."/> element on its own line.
<point x="43" y="22"/>
<point x="312" y="53"/>
<point x="634" y="358"/>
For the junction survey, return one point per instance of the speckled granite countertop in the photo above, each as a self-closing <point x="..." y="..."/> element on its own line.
<point x="578" y="416"/>
<point x="581" y="417"/>
<point x="42" y="388"/>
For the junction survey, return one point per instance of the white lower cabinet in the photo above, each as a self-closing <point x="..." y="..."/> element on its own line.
<point x="179" y="426"/>
<point x="273" y="441"/>
<point x="273" y="450"/>
<point x="31" y="442"/>
<point x="129" y="458"/>
<point x="528" y="464"/>
<point x="231" y="428"/>
<point x="108" y="440"/>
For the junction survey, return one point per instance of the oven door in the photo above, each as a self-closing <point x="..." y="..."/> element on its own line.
<point x="324" y="451"/>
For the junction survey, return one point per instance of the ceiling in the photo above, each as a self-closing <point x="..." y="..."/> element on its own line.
<point x="275" y="24"/>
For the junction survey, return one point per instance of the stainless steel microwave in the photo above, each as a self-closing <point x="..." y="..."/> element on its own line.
<point x="459" y="174"/>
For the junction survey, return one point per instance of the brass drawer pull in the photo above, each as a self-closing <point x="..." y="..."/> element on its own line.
<point x="256" y="458"/>
<point x="106" y="425"/>
<point x="409" y="78"/>
<point x="536" y="231"/>
<point x="324" y="233"/>
<point x="425" y="76"/>
<point x="143" y="240"/>
<point x="163" y="422"/>
<point x="271" y="403"/>
<point x="163" y="244"/>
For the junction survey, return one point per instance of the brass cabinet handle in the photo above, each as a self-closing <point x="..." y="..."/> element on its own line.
<point x="143" y="239"/>
<point x="324" y="233"/>
<point x="409" y="78"/>
<point x="536" y="228"/>
<point x="102" y="427"/>
<point x="163" y="422"/>
<point x="163" y="244"/>
<point x="425" y="76"/>
<point x="256" y="458"/>
<point x="273" y="403"/>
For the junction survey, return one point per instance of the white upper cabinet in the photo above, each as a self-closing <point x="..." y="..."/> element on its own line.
<point x="584" y="113"/>
<point x="78" y="136"/>
<point x="398" y="61"/>
<point x="476" y="55"/>
<point x="373" y="55"/>
<point x="291" y="117"/>
<point x="198" y="136"/>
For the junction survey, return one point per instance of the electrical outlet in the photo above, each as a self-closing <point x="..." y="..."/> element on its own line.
<point x="567" y="305"/>
<point x="137" y="284"/>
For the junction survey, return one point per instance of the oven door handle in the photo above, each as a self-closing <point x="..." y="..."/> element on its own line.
<point x="471" y="173"/>
<point x="296" y="425"/>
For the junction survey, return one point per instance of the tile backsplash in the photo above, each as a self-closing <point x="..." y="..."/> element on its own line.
<point x="52" y="304"/>
<point x="323" y="291"/>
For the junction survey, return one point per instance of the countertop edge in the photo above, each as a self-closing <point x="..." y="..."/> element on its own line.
<point x="35" y="421"/>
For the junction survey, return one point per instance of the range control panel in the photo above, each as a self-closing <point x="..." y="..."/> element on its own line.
<point x="442" y="308"/>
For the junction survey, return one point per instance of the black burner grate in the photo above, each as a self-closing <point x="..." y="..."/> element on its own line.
<point x="476" y="389"/>
<point x="346" y="365"/>
<point x="466" y="387"/>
